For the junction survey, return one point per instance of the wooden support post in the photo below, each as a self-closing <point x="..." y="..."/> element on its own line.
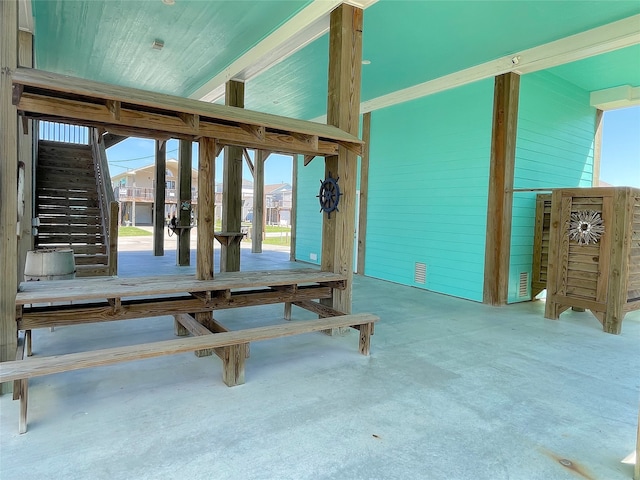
<point x="364" y="193"/>
<point x="159" y="220"/>
<point x="206" y="208"/>
<point x="184" y="200"/>
<point x="179" y="329"/>
<point x="28" y="342"/>
<point x="294" y="208"/>
<point x="345" y="61"/>
<point x="26" y="156"/>
<point x="232" y="187"/>
<point x="8" y="185"/>
<point x="499" y="211"/>
<point x="24" y="401"/>
<point x="618" y="264"/>
<point x="366" y="330"/>
<point x="636" y="470"/>
<point x="233" y="362"/>
<point x="287" y="311"/>
<point x="258" y="202"/>
<point x="597" y="147"/>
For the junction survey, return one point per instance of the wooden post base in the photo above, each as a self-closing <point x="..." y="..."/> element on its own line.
<point x="233" y="362"/>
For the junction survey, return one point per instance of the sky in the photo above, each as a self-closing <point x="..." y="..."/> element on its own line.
<point x="138" y="152"/>
<point x="619" y="164"/>
<point x="620" y="157"/>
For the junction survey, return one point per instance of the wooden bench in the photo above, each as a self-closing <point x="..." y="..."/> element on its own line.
<point x="232" y="343"/>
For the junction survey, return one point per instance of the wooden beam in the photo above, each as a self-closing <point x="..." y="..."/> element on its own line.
<point x="8" y="183"/>
<point x="160" y="126"/>
<point x="311" y="140"/>
<point x="345" y="57"/>
<point x="499" y="210"/>
<point x="232" y="187"/>
<point x="257" y="221"/>
<point x="364" y="193"/>
<point x="26" y="156"/>
<point x="294" y="208"/>
<point x="257" y="131"/>
<point x="143" y="102"/>
<point x="247" y="159"/>
<point x="206" y="208"/>
<point x="184" y="203"/>
<point x="110" y="139"/>
<point x="308" y="159"/>
<point x="114" y="107"/>
<point x="597" y="147"/>
<point x="159" y="220"/>
<point x="191" y="120"/>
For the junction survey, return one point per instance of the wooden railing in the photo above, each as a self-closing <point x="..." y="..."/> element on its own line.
<point x="108" y="203"/>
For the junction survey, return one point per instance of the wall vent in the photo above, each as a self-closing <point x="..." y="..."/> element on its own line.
<point x="523" y="284"/>
<point x="420" y="273"/>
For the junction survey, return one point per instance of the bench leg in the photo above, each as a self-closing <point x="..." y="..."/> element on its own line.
<point x="233" y="364"/>
<point x="24" y="395"/>
<point x="366" y="330"/>
<point x="180" y="331"/>
<point x="287" y="311"/>
<point x="203" y="318"/>
<point x="28" y="342"/>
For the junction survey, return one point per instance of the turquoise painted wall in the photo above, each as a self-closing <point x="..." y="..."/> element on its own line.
<point x="308" y="216"/>
<point x="554" y="149"/>
<point x="429" y="170"/>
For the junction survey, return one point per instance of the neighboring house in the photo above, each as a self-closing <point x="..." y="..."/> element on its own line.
<point x="135" y="191"/>
<point x="277" y="204"/>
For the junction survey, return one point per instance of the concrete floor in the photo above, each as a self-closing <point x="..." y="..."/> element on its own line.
<point x="452" y="390"/>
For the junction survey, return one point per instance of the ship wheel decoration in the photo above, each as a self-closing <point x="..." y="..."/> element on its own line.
<point x="329" y="195"/>
<point x="586" y="227"/>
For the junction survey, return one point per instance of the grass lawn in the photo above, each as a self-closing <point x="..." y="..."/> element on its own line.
<point x="133" y="232"/>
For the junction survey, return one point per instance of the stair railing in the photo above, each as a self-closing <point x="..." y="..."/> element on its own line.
<point x="108" y="205"/>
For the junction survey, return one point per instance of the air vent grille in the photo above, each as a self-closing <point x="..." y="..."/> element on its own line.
<point x="420" y="274"/>
<point x="523" y="284"/>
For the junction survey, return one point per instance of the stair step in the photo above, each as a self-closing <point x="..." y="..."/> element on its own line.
<point x="70" y="229"/>
<point x="91" y="259"/>
<point x="68" y="239"/>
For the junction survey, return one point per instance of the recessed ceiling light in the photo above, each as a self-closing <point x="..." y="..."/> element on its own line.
<point x="366" y="62"/>
<point x="157" y="44"/>
<point x="169" y="2"/>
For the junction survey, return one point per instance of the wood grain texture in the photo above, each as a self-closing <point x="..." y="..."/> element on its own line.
<point x="8" y="183"/>
<point x="501" y="174"/>
<point x="364" y="193"/>
<point x="40" y="80"/>
<point x="185" y="163"/>
<point x="257" y="222"/>
<point x="232" y="186"/>
<point x="294" y="209"/>
<point x="26" y="153"/>
<point x="206" y="208"/>
<point x="39" y="366"/>
<point x="112" y="287"/>
<point x="159" y="220"/>
<point x="343" y="104"/>
<point x="58" y="315"/>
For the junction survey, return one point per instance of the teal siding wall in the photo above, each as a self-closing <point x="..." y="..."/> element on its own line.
<point x="308" y="216"/>
<point x="554" y="149"/>
<point x="428" y="180"/>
